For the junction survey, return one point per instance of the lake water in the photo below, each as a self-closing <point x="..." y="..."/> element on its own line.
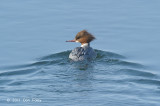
<point x="34" y="64"/>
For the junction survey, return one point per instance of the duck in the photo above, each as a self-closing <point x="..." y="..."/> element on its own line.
<point x="84" y="52"/>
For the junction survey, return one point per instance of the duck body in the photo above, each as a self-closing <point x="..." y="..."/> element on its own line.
<point x="83" y="53"/>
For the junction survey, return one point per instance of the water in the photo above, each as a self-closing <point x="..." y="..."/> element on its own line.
<point x="35" y="69"/>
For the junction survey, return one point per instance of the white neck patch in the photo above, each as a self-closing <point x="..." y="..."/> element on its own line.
<point x="85" y="45"/>
<point x="77" y="41"/>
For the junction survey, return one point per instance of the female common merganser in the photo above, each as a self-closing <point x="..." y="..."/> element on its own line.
<point x="85" y="52"/>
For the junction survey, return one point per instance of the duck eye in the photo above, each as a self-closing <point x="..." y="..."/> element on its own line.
<point x="78" y="37"/>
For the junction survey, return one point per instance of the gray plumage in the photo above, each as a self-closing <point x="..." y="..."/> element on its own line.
<point x="82" y="53"/>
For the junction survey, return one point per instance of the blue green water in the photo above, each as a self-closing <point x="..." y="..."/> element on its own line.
<point x="34" y="65"/>
<point x="54" y="79"/>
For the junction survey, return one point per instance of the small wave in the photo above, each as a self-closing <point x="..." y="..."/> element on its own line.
<point x="106" y="61"/>
<point x="105" y="54"/>
<point x="146" y="81"/>
<point x="17" y="72"/>
<point x="134" y="72"/>
<point x="61" y="58"/>
<point x="61" y="55"/>
<point x="55" y="73"/>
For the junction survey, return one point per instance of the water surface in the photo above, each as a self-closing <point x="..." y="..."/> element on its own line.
<point x="34" y="60"/>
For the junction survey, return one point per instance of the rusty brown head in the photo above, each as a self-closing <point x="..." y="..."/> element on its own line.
<point x="83" y="37"/>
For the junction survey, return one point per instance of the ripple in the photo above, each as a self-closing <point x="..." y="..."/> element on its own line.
<point x="62" y="55"/>
<point x="4" y="81"/>
<point x="103" y="54"/>
<point x="17" y="72"/>
<point x="60" y="60"/>
<point x="136" y="73"/>
<point x="111" y="61"/>
<point x="147" y="81"/>
<point x="110" y="58"/>
<point x="107" y="71"/>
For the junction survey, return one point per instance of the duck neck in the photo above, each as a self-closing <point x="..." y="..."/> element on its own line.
<point x="85" y="45"/>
